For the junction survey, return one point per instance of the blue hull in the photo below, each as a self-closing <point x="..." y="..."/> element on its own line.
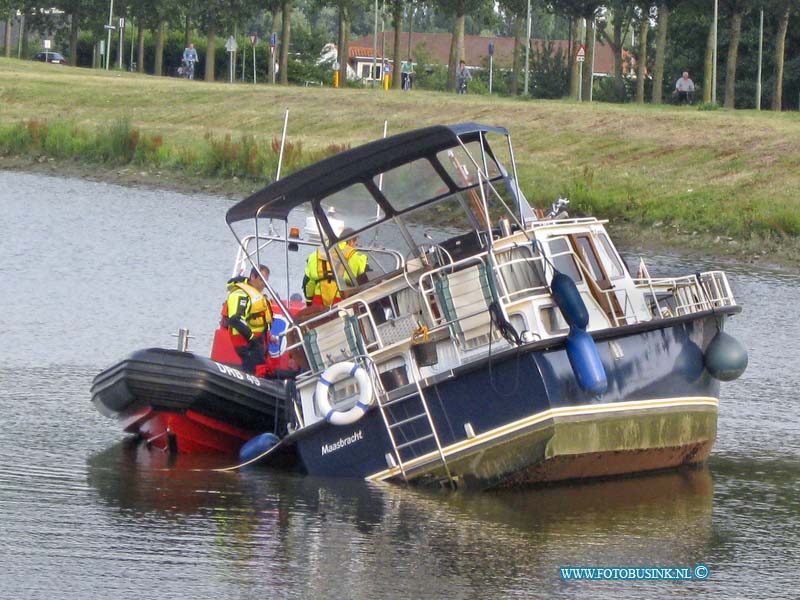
<point x="520" y="417"/>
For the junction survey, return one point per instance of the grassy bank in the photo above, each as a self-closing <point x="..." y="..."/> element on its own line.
<point x="713" y="173"/>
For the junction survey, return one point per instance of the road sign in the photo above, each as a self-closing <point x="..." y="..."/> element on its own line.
<point x="121" y="23"/>
<point x="491" y="48"/>
<point x="273" y="39"/>
<point x="580" y="55"/>
<point x="231" y="45"/>
<point x="46" y="44"/>
<point x="253" y="39"/>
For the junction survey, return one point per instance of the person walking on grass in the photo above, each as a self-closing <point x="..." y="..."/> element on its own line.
<point x="685" y="88"/>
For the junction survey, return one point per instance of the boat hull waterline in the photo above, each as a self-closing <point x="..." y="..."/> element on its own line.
<point x="181" y="402"/>
<point x="537" y="426"/>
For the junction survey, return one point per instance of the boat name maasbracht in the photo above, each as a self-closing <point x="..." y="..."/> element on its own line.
<point x="326" y="448"/>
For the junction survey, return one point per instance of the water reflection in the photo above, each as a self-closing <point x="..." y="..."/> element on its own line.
<point x="296" y="531"/>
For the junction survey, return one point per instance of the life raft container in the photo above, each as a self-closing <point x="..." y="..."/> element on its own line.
<point x="335" y="373"/>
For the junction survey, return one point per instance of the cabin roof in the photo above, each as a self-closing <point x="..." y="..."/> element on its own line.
<point x="358" y="164"/>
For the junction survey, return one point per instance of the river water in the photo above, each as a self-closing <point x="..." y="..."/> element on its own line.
<point x="90" y="271"/>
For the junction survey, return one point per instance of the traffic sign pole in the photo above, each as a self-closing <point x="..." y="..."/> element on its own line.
<point x="580" y="57"/>
<point x="231" y="46"/>
<point x="491" y="64"/>
<point x="254" y="42"/>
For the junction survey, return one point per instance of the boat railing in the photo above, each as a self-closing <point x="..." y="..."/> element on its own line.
<point x="519" y="273"/>
<point x="456" y="297"/>
<point x="568" y="221"/>
<point x="346" y="332"/>
<point x="688" y="294"/>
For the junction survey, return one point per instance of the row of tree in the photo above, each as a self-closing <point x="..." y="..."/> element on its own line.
<point x="651" y="36"/>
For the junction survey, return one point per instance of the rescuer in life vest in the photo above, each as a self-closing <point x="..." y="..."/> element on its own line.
<point x="247" y="314"/>
<point x="319" y="283"/>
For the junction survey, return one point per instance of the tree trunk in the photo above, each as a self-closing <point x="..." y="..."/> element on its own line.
<point x="286" y="33"/>
<point x="780" y="48"/>
<point x="733" y="57"/>
<point x="708" y="72"/>
<point x="7" y="39"/>
<point x="616" y="46"/>
<point x="641" y="65"/>
<point x="343" y="56"/>
<point x="516" y="56"/>
<point x="661" y="52"/>
<point x="575" y="76"/>
<point x="139" y="47"/>
<point x="23" y="38"/>
<point x="276" y="16"/>
<point x="397" y="78"/>
<point x="588" y="71"/>
<point x="187" y="32"/>
<point x="158" y="69"/>
<point x="74" y="26"/>
<point x="211" y="52"/>
<point x="456" y="50"/>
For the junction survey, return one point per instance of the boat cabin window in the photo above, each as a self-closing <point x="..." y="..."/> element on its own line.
<point x="409" y="184"/>
<point x="589" y="258"/>
<point x="563" y="259"/>
<point x="609" y="257"/>
<point x="521" y="272"/>
<point x="353" y="206"/>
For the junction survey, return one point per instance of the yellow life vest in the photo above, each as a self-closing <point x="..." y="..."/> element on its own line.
<point x="321" y="280"/>
<point x="259" y="313"/>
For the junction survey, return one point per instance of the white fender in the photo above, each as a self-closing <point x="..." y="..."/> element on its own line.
<point x="335" y="373"/>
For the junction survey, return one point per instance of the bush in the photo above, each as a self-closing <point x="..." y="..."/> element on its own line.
<point x="308" y="73"/>
<point x="549" y="76"/>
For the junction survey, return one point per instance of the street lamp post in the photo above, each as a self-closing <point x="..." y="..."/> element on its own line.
<point x="714" y="66"/>
<point x="760" y="57"/>
<point x="374" y="46"/>
<point x="528" y="48"/>
<point x="108" y="39"/>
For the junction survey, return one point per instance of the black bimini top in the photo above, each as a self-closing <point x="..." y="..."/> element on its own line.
<point x="337" y="172"/>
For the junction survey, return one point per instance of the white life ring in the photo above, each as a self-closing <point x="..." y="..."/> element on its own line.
<point x="335" y="373"/>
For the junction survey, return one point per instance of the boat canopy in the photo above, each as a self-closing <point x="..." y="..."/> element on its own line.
<point x="360" y="164"/>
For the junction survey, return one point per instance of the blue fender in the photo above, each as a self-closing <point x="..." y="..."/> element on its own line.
<point x="586" y="364"/>
<point x="257" y="446"/>
<point x="568" y="299"/>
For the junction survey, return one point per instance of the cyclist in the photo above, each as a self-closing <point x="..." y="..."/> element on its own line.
<point x="463" y="77"/>
<point x="407" y="73"/>
<point x="189" y="60"/>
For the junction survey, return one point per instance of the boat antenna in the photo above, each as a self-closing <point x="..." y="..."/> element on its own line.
<point x="380" y="185"/>
<point x="283" y="141"/>
<point x="285" y="223"/>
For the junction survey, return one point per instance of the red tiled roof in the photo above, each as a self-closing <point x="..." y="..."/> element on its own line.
<point x="360" y="52"/>
<point x="476" y="49"/>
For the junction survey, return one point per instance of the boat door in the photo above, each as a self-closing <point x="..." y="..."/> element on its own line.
<point x="599" y="281"/>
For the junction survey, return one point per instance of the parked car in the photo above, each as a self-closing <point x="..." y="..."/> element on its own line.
<point x="51" y="57"/>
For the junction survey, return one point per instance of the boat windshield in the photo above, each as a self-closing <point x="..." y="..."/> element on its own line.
<point x="448" y="201"/>
<point x="431" y="199"/>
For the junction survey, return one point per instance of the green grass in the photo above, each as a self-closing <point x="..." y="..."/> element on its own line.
<point x="718" y="172"/>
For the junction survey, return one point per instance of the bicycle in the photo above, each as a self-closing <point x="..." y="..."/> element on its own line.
<point x="186" y="70"/>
